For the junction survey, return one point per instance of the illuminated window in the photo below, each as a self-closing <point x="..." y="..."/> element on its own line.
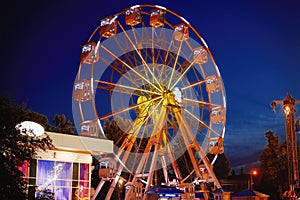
<point x="66" y="180"/>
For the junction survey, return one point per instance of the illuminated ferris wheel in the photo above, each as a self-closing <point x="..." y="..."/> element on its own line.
<point x="148" y="70"/>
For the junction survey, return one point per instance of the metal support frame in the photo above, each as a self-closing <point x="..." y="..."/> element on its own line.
<point x="288" y="108"/>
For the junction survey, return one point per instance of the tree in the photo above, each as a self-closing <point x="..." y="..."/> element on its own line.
<point x="15" y="148"/>
<point x="273" y="167"/>
<point x="62" y="124"/>
<point x="221" y="166"/>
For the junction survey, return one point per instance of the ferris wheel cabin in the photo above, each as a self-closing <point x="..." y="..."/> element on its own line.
<point x="82" y="90"/>
<point x="89" y="53"/>
<point x="181" y="32"/>
<point x="107" y="168"/>
<point x="108" y="27"/>
<point x="133" y="16"/>
<point x="200" y="55"/>
<point x="157" y="18"/>
<point x="213" y="84"/>
<point x="89" y="128"/>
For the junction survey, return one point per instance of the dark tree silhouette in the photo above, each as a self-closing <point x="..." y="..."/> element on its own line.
<point x="62" y="124"/>
<point x="221" y="166"/>
<point x="16" y="148"/>
<point x="273" y="167"/>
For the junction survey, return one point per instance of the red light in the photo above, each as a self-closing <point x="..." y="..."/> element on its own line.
<point x="254" y="172"/>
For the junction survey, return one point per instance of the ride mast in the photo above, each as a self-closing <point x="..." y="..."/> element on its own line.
<point x="288" y="108"/>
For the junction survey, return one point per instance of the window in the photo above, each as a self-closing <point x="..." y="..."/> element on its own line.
<point x="66" y="180"/>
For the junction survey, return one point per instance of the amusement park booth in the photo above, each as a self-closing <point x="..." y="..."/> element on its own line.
<point x="221" y="194"/>
<point x="65" y="170"/>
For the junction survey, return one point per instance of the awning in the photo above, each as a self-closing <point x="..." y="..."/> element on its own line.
<point x="75" y="143"/>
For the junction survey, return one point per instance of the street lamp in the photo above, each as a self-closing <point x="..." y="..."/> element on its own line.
<point x="253" y="173"/>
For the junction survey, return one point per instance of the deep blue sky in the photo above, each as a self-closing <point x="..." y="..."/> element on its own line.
<point x="256" y="44"/>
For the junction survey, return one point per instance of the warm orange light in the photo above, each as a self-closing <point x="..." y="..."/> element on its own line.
<point x="254" y="172"/>
<point x="287" y="109"/>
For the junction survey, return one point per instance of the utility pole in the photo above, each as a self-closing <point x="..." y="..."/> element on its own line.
<point x="288" y="108"/>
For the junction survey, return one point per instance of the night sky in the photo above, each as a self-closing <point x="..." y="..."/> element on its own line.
<point x="256" y="44"/>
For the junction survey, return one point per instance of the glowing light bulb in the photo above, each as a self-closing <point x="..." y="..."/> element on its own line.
<point x="254" y="172"/>
<point x="287" y="109"/>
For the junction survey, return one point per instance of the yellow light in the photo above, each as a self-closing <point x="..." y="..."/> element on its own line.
<point x="286" y="109"/>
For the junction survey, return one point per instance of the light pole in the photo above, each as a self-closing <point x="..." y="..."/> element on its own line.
<point x="253" y="173"/>
<point x="289" y="111"/>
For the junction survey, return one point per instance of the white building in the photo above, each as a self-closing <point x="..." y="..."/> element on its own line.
<point x="66" y="171"/>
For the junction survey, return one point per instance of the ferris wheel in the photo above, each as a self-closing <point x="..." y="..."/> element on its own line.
<point x="148" y="70"/>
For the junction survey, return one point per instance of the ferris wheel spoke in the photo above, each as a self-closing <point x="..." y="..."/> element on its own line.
<point x="134" y="35"/>
<point x="141" y="120"/>
<point x="160" y="48"/>
<point x="169" y="48"/>
<point x="125" y="54"/>
<point x="188" y="141"/>
<point x="131" y="68"/>
<point x="175" y="63"/>
<point x="202" y="123"/>
<point x="197" y="102"/>
<point x="153" y="139"/>
<point x="127" y="76"/>
<point x="140" y="55"/>
<point x="152" y="45"/>
<point x="112" y="85"/>
<point x="181" y="75"/>
<point x="118" y="90"/>
<point x="137" y="43"/>
<point x="193" y="84"/>
<point x="145" y="123"/>
<point x="171" y="156"/>
<point x="128" y="108"/>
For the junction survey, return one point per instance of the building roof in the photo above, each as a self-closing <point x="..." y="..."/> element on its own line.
<point x="75" y="143"/>
<point x="250" y="193"/>
<point x="163" y="190"/>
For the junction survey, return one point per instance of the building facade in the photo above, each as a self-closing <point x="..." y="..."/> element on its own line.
<point x="66" y="170"/>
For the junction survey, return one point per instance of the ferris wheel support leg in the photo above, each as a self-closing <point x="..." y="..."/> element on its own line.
<point x="187" y="143"/>
<point x="154" y="139"/>
<point x="200" y="152"/>
<point x="171" y="157"/>
<point x="100" y="185"/>
<point x="151" y="171"/>
<point x="142" y="163"/>
<point x="124" y="159"/>
<point x="206" y="162"/>
<point x="116" y="179"/>
<point x="139" y="169"/>
<point x="165" y="168"/>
